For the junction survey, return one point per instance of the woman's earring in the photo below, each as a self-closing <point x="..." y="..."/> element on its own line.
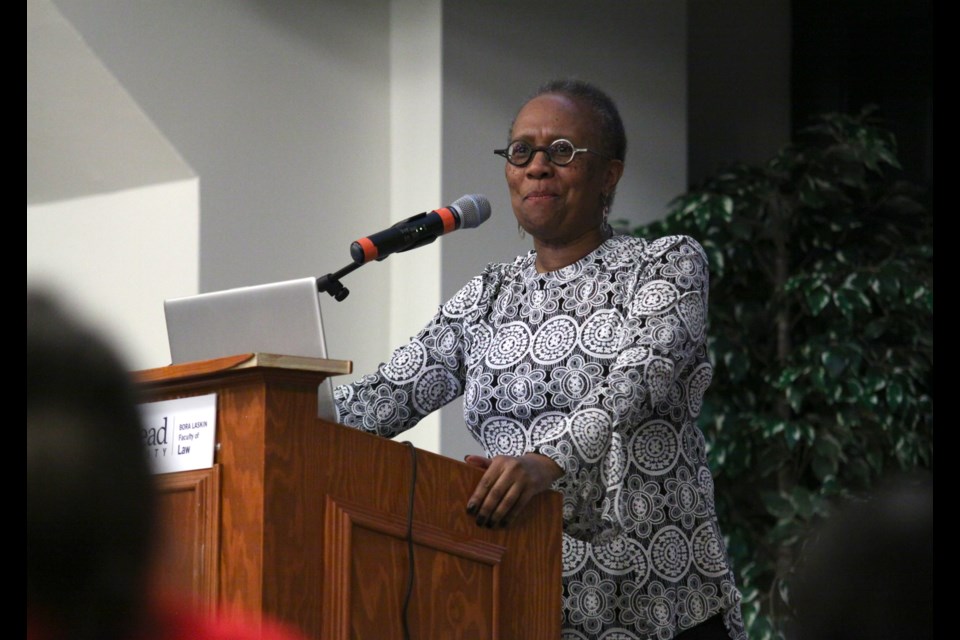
<point x="521" y="232"/>
<point x="605" y="225"/>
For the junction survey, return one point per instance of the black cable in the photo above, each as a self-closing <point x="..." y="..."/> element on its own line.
<point x="413" y="484"/>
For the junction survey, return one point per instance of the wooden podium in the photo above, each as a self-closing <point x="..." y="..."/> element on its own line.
<point x="307" y="521"/>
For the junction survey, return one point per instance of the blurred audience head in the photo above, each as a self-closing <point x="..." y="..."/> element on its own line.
<point x="90" y="497"/>
<point x="868" y="570"/>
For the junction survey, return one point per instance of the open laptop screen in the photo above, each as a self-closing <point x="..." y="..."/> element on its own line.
<point x="280" y="318"/>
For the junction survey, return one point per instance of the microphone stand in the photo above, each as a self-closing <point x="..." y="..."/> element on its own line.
<point x="331" y="282"/>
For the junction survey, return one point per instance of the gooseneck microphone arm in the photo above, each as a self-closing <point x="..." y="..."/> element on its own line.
<point x="330" y="283"/>
<point x="422" y="229"/>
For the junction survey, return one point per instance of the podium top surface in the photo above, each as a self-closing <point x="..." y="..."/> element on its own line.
<point x="242" y="361"/>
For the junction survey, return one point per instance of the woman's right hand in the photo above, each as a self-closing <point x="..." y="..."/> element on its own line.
<point x="508" y="484"/>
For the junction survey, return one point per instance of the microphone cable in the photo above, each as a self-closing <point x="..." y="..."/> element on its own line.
<point x="413" y="485"/>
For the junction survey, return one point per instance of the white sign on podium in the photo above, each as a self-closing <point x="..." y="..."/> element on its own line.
<point x="180" y="435"/>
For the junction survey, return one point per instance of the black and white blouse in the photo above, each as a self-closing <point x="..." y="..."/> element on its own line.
<point x="602" y="367"/>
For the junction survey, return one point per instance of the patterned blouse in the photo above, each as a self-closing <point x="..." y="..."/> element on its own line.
<point x="602" y="367"/>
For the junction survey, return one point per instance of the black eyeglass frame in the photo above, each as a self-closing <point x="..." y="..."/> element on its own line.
<point x="505" y="153"/>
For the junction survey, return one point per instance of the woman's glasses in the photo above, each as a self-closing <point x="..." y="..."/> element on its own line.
<point x="560" y="152"/>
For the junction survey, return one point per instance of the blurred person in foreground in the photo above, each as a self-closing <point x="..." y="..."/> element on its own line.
<point x="91" y="499"/>
<point x="867" y="570"/>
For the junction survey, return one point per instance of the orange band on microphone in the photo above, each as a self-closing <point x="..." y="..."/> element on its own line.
<point x="449" y="220"/>
<point x="369" y="249"/>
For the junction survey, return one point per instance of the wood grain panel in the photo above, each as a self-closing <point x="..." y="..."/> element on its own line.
<point x="340" y="571"/>
<point x="189" y="503"/>
<point x="457" y="580"/>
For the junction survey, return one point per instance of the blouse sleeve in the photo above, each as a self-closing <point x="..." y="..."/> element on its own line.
<point x="422" y="375"/>
<point x="634" y="421"/>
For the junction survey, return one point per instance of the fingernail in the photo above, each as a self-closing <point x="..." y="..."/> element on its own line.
<point x="471" y="508"/>
<point x="503" y="523"/>
<point x="490" y="524"/>
<point x="481" y="521"/>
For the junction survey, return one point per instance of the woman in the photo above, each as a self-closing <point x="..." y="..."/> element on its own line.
<point x="583" y="365"/>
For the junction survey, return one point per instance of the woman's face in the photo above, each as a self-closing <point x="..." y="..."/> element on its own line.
<point x="558" y="204"/>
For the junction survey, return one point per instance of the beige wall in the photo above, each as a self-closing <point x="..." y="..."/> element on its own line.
<point x="308" y="125"/>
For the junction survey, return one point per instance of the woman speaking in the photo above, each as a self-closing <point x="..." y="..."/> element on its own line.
<point x="583" y="366"/>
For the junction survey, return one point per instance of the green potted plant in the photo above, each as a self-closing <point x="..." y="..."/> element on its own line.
<point x="821" y="335"/>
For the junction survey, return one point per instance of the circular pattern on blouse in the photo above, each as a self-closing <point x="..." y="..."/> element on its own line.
<point x="639" y="505"/>
<point x="434" y="388"/>
<point x="507" y="303"/>
<point x="540" y="303"/>
<point x="697" y="605"/>
<point x="693" y="313"/>
<point x="705" y="480"/>
<point x="568" y="273"/>
<point x="660" y="609"/>
<point x="555" y="340"/>
<point x="677" y="398"/>
<point x="503" y="437"/>
<point x="670" y="553"/>
<point x="664" y="333"/>
<point x="590" y="432"/>
<point x="708" y="553"/>
<point x="618" y="256"/>
<point x="633" y="356"/>
<point x="464" y="300"/>
<point x="385" y="408"/>
<point x="655" y="297"/>
<point x="405" y="362"/>
<point x="547" y="426"/>
<point x="614" y="466"/>
<point x="658" y="376"/>
<point x="476" y="399"/>
<point x="587" y="294"/>
<point x="587" y="288"/>
<point x="449" y="341"/>
<point x="509" y="345"/>
<point x="697" y="386"/>
<point x="686" y="264"/>
<point x="574" y="554"/>
<point x="687" y="497"/>
<point x="655" y="447"/>
<point x="538" y="299"/>
<point x="572" y="385"/>
<point x="600" y="335"/>
<point x="621" y="555"/>
<point x="521" y="391"/>
<point x="694" y="445"/>
<point x="473" y="393"/>
<point x="621" y="393"/>
<point x="481" y="336"/>
<point x="591" y="600"/>
<point x="656" y="247"/>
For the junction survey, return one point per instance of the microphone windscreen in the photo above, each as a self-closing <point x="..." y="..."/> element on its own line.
<point x="473" y="209"/>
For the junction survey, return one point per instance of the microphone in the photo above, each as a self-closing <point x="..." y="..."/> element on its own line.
<point x="422" y="229"/>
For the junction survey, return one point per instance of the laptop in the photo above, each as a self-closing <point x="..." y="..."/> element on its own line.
<point x="280" y="318"/>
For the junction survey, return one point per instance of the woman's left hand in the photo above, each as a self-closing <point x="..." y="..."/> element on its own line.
<point x="508" y="484"/>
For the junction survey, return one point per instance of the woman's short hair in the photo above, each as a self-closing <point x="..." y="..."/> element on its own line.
<point x="604" y="109"/>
